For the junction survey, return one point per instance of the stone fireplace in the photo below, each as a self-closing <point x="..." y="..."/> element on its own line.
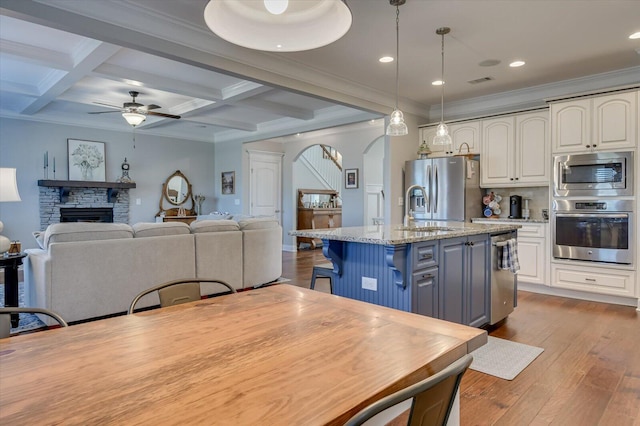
<point x="111" y="199"/>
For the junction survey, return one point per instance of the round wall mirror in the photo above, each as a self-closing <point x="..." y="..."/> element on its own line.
<point x="177" y="189"/>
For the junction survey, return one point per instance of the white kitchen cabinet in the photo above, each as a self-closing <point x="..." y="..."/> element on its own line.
<point x="594" y="279"/>
<point x="532" y="250"/>
<point x="601" y="123"/>
<point x="426" y="135"/>
<point x="465" y="133"/>
<point x="515" y="151"/>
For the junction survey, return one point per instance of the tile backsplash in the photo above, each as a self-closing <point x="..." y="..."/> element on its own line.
<point x="538" y="199"/>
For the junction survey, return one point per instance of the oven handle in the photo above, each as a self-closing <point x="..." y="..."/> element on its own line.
<point x="596" y="215"/>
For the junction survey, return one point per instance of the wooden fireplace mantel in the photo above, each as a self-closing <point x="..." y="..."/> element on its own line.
<point x="65" y="187"/>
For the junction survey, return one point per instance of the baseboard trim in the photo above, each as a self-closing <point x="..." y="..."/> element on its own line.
<point x="289" y="248"/>
<point x="574" y="294"/>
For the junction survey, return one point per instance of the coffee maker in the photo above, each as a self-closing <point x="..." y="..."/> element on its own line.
<point x="515" y="204"/>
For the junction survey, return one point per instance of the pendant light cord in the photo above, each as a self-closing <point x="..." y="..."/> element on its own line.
<point x="442" y="85"/>
<point x="397" y="53"/>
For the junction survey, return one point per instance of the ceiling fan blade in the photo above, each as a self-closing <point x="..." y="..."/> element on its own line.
<point x="108" y="105"/>
<point x="161" y="114"/>
<point x="101" y="112"/>
<point x="150" y="107"/>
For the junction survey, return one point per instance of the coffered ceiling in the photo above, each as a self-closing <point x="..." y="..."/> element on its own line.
<point x="60" y="59"/>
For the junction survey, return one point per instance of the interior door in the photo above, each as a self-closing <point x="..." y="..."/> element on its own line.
<point x="265" y="191"/>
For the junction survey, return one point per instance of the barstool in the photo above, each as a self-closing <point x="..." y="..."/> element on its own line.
<point x="324" y="270"/>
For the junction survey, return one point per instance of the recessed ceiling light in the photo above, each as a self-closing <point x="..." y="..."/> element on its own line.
<point x="516" y="64"/>
<point x="437" y="83"/>
<point x="386" y="59"/>
<point x="635" y="35"/>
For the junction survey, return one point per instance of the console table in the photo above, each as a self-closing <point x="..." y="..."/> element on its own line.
<point x="10" y="264"/>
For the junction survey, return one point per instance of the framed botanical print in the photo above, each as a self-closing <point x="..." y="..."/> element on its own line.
<point x="86" y="160"/>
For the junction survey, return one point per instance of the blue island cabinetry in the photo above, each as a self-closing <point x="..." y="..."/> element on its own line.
<point x="438" y="269"/>
<point x="447" y="279"/>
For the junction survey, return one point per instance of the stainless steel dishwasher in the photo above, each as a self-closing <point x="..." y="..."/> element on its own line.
<point x="503" y="281"/>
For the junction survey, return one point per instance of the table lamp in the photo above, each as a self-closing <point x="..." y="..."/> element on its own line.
<point x="8" y="192"/>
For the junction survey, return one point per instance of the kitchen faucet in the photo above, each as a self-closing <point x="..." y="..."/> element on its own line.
<point x="460" y="149"/>
<point x="408" y="218"/>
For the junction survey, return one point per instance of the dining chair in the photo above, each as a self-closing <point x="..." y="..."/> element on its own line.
<point x="178" y="291"/>
<point x="432" y="398"/>
<point x="5" y="317"/>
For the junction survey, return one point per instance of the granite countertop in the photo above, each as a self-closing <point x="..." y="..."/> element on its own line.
<point x="506" y="219"/>
<point x="397" y="234"/>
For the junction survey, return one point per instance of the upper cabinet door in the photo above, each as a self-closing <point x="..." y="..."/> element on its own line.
<point x="614" y="121"/>
<point x="497" y="159"/>
<point x="533" y="154"/>
<point x="465" y="133"/>
<point x="570" y="126"/>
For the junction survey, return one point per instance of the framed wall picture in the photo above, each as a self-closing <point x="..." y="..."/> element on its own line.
<point x="86" y="160"/>
<point x="350" y="178"/>
<point x="228" y="183"/>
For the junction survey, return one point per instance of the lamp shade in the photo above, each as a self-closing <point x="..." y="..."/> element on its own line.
<point x="278" y="25"/>
<point x="134" y="118"/>
<point x="8" y="185"/>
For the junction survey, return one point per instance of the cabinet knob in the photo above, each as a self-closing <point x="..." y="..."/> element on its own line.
<point x="588" y="146"/>
<point x="517" y="178"/>
<point x="510" y="178"/>
<point x="594" y="145"/>
<point x="426" y="256"/>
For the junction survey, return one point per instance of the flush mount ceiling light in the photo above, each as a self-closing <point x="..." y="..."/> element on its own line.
<point x="516" y="64"/>
<point x="397" y="126"/>
<point x="134" y="118"/>
<point x="635" y="36"/>
<point x="442" y="131"/>
<point x="278" y="25"/>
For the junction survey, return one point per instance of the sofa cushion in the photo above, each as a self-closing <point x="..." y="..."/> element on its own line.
<point x="152" y="229"/>
<point x="259" y="223"/>
<point x="85" y="231"/>
<point x="39" y="236"/>
<point x="199" y="226"/>
<point x="215" y="216"/>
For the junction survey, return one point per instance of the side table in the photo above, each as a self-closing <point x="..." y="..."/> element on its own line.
<point x="10" y="264"/>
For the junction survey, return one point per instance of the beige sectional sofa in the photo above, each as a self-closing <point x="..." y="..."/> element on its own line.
<point x="88" y="270"/>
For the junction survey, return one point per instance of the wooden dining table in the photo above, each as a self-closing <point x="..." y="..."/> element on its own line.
<point x="277" y="355"/>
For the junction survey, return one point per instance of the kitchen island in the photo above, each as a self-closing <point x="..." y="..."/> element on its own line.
<point x="438" y="269"/>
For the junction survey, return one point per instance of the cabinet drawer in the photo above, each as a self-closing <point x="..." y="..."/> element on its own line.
<point x="596" y="280"/>
<point x="425" y="255"/>
<point x="532" y="230"/>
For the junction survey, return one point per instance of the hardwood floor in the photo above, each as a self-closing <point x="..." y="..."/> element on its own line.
<point x="588" y="374"/>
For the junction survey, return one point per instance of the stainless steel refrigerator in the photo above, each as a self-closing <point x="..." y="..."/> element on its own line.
<point x="452" y="188"/>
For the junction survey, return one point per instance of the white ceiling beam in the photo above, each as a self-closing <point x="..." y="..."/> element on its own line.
<point x="92" y="54"/>
<point x="36" y="55"/>
<point x="154" y="81"/>
<point x="243" y="90"/>
<point x="278" y="108"/>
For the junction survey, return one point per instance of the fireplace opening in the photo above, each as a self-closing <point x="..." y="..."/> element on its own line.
<point x="87" y="214"/>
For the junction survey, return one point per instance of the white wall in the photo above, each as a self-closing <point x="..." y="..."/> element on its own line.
<point x="23" y="144"/>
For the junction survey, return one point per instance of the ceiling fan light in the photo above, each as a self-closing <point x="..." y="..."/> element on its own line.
<point x="397" y="126"/>
<point x="442" y="135"/>
<point x="134" y="118"/>
<point x="303" y="25"/>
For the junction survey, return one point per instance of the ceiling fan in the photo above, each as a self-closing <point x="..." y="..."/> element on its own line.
<point x="134" y="112"/>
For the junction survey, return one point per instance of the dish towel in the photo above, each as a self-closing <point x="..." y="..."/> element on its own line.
<point x="510" y="256"/>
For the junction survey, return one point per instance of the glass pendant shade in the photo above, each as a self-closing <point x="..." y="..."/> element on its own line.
<point x="278" y="25"/>
<point x="442" y="135"/>
<point x="134" y="118"/>
<point x="397" y="126"/>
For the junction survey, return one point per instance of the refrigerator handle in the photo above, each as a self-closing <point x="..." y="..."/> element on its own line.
<point x="435" y="201"/>
<point x="428" y="196"/>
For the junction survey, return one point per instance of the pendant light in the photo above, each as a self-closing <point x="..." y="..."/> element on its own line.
<point x="442" y="131"/>
<point x="397" y="126"/>
<point x="278" y="25"/>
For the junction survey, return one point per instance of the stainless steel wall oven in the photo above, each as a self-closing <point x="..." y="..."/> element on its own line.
<point x="599" y="231"/>
<point x="593" y="175"/>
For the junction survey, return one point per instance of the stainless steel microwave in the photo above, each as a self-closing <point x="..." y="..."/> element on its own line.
<point x="597" y="174"/>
